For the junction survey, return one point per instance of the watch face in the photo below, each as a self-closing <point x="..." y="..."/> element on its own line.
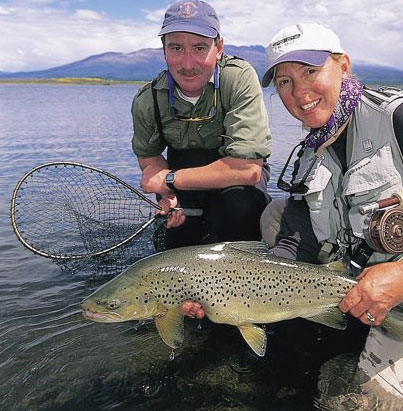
<point x="170" y="178"/>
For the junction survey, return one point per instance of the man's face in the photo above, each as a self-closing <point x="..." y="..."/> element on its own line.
<point x="191" y="60"/>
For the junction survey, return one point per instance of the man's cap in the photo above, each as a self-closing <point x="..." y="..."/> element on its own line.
<point x="195" y="16"/>
<point x="308" y="43"/>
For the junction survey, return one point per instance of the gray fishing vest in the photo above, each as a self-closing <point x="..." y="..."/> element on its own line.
<point x="374" y="170"/>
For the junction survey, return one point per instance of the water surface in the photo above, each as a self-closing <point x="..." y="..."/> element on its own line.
<point x="52" y="359"/>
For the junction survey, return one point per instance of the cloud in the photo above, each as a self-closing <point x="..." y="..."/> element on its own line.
<point x="368" y="31"/>
<point x="38" y="34"/>
<point x="83" y="14"/>
<point x="33" y="38"/>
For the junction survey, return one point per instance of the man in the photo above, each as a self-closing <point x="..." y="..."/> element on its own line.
<point x="207" y="109"/>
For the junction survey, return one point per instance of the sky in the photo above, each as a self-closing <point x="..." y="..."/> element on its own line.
<point x="40" y="34"/>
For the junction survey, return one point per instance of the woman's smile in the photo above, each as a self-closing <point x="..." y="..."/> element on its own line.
<point x="310" y="106"/>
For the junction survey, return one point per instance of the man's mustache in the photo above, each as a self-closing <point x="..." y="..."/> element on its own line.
<point x="191" y="72"/>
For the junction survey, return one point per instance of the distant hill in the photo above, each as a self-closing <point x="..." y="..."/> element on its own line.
<point x="372" y="73"/>
<point x="145" y="64"/>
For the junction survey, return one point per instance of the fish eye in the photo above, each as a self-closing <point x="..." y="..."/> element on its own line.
<point x="114" y="304"/>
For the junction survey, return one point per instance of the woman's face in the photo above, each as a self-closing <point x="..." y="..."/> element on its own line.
<point x="311" y="93"/>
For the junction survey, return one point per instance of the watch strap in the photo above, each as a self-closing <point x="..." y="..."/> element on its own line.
<point x="170" y="180"/>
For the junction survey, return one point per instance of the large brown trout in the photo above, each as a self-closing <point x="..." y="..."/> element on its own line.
<point x="237" y="283"/>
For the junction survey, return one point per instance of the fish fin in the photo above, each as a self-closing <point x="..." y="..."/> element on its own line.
<point x="258" y="248"/>
<point x="170" y="327"/>
<point x="333" y="317"/>
<point x="255" y="337"/>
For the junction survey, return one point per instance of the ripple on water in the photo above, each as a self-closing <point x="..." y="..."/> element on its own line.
<point x="53" y="359"/>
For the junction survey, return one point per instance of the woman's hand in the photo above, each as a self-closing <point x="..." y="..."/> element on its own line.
<point x="379" y="290"/>
<point x="175" y="218"/>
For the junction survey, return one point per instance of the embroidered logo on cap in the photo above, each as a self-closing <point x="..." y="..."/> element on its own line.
<point x="286" y="40"/>
<point x="187" y="10"/>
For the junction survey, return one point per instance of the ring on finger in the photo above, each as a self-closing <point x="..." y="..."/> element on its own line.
<point x="370" y="317"/>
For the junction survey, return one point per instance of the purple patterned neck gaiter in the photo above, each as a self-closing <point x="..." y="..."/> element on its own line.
<point x="350" y="94"/>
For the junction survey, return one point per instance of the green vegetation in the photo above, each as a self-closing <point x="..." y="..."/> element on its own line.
<point x="109" y="82"/>
<point x="69" y="80"/>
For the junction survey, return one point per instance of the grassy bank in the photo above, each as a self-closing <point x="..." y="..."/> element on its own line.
<point x="69" y="80"/>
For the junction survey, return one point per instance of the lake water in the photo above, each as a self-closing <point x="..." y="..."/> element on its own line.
<point x="53" y="359"/>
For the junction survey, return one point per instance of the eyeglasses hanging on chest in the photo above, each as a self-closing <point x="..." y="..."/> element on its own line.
<point x="212" y="111"/>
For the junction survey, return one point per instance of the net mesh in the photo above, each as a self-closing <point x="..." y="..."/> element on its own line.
<point x="69" y="210"/>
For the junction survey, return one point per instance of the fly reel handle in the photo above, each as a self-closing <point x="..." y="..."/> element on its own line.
<point x="396" y="199"/>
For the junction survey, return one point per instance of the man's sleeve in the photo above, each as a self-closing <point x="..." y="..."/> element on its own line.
<point x="247" y="133"/>
<point x="146" y="141"/>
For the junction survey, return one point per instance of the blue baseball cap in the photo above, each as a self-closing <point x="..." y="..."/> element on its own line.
<point x="194" y="16"/>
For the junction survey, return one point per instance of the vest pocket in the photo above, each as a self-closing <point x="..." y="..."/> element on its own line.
<point x="318" y="202"/>
<point x="172" y="135"/>
<point x="211" y="134"/>
<point x="319" y="181"/>
<point x="370" y="177"/>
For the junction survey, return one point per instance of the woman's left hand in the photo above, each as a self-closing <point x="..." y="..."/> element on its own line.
<point x="379" y="290"/>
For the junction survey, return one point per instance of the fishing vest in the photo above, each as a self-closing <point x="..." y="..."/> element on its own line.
<point x="188" y="158"/>
<point x="374" y="171"/>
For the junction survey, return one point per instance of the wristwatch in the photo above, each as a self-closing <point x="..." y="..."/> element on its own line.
<point x="170" y="180"/>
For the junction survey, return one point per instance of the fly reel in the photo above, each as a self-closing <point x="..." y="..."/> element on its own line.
<point x="385" y="230"/>
<point x="385" y="227"/>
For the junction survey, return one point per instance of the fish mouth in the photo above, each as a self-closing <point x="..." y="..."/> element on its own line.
<point x="102" y="317"/>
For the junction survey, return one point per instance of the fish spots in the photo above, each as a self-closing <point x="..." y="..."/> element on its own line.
<point x="175" y="268"/>
<point x="243" y="284"/>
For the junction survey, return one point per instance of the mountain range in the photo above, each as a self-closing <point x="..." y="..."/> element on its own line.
<point x="145" y="64"/>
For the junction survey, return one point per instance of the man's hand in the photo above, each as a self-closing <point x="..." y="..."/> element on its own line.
<point x="192" y="309"/>
<point x="379" y="290"/>
<point x="175" y="218"/>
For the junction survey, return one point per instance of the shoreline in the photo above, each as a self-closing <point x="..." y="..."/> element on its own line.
<point x="72" y="81"/>
<point x="112" y="82"/>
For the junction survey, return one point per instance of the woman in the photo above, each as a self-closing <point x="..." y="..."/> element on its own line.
<point x="350" y="157"/>
<point x="312" y="75"/>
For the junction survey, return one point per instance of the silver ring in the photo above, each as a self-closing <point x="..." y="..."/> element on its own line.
<point x="370" y="317"/>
